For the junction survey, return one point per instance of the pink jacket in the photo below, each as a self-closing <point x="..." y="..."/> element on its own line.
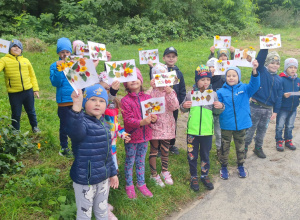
<point x="164" y="128"/>
<point x="132" y="115"/>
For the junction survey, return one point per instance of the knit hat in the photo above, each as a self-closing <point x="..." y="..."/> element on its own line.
<point x="17" y="43"/>
<point x="202" y="71"/>
<point x="170" y="50"/>
<point x="236" y="69"/>
<point x="290" y="62"/>
<point x="272" y="57"/>
<point x="223" y="51"/>
<point x="75" y="43"/>
<point x="63" y="44"/>
<point x="139" y="76"/>
<point x="159" y="68"/>
<point x="211" y="62"/>
<point x="94" y="90"/>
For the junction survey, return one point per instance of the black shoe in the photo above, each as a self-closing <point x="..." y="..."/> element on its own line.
<point x="158" y="153"/>
<point x="194" y="184"/>
<point x="65" y="152"/>
<point x="205" y="180"/>
<point x="174" y="150"/>
<point x="246" y="151"/>
<point x="289" y="144"/>
<point x="259" y="152"/>
<point x="36" y="130"/>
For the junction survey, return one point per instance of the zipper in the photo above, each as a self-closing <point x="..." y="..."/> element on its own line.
<point x="107" y="139"/>
<point x="234" y="111"/>
<point x="270" y="90"/>
<point x="200" y="120"/>
<point x="9" y="83"/>
<point x="142" y="115"/>
<point x="89" y="171"/>
<point x="293" y="96"/>
<point x="20" y="73"/>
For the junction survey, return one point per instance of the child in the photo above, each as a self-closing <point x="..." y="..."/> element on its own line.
<point x="93" y="169"/>
<point x="140" y="131"/>
<point x="288" y="111"/>
<point x="236" y="117"/>
<point x="170" y="58"/>
<point x="21" y="85"/>
<point x="200" y="128"/>
<point x="222" y="54"/>
<point x="163" y="130"/>
<point x="268" y="97"/>
<point x="217" y="82"/>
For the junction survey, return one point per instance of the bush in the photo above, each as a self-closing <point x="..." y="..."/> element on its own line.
<point x="281" y="18"/>
<point x="34" y="45"/>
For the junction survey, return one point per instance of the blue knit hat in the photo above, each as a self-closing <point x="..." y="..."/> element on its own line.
<point x="17" y="43"/>
<point x="94" y="90"/>
<point x="63" y="44"/>
<point x="201" y="72"/>
<point x="236" y="69"/>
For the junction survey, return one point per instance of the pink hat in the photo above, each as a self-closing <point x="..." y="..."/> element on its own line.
<point x="75" y="43"/>
<point x="139" y="76"/>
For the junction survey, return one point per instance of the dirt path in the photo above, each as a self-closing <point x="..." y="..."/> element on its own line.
<point x="271" y="191"/>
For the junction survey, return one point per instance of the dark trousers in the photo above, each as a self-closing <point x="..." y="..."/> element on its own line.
<point x="16" y="100"/>
<point x="201" y="145"/>
<point x="63" y="114"/>
<point x="175" y="114"/>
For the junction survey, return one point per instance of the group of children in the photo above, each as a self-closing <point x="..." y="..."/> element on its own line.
<point x="90" y="119"/>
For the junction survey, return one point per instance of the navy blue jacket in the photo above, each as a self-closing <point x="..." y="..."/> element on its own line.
<point x="270" y="90"/>
<point x="290" y="85"/>
<point x="178" y="88"/>
<point x="91" y="145"/>
<point x="237" y="115"/>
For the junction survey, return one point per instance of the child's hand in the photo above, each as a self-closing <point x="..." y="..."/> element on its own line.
<point x="152" y="83"/>
<point x="231" y="49"/>
<point x="150" y="63"/>
<point x="77" y="100"/>
<point x="96" y="62"/>
<point x="273" y="116"/>
<point x="59" y="62"/>
<point x="108" y="55"/>
<point x="168" y="89"/>
<point x="153" y="118"/>
<point x="187" y="104"/>
<point x="115" y="85"/>
<point x="255" y="65"/>
<point x="145" y="121"/>
<point x="114" y="182"/>
<point x="127" y="138"/>
<point x="36" y="94"/>
<point x="287" y="94"/>
<point x="218" y="104"/>
<point x="212" y="49"/>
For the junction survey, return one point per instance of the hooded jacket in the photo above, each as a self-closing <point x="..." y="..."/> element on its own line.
<point x="290" y="85"/>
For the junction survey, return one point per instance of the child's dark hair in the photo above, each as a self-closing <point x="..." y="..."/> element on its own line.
<point x="141" y="89"/>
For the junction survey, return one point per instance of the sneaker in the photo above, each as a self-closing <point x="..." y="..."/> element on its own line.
<point x="224" y="173"/>
<point x="65" y="152"/>
<point x="36" y="130"/>
<point x="259" y="152"/>
<point x="289" y="144"/>
<point x="157" y="180"/>
<point x="166" y="176"/>
<point x="246" y="151"/>
<point x="174" y="150"/>
<point x="130" y="192"/>
<point x="144" y="190"/>
<point x="158" y="153"/>
<point x="111" y="215"/>
<point x="279" y="146"/>
<point x="241" y="171"/>
<point x="194" y="183"/>
<point x="206" y="181"/>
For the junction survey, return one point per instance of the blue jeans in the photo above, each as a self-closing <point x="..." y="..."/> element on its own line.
<point x="285" y="119"/>
<point x="63" y="114"/>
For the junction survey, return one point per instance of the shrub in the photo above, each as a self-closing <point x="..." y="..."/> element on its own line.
<point x="280" y="18"/>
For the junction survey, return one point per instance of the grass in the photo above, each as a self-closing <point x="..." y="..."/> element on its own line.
<point x="43" y="190"/>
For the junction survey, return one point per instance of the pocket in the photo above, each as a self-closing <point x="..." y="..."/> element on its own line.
<point x="9" y="83"/>
<point x="89" y="173"/>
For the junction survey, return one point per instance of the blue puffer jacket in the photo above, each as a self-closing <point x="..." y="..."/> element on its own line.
<point x="290" y="85"/>
<point x="270" y="90"/>
<point x="236" y="115"/>
<point x="63" y="87"/>
<point x="91" y="145"/>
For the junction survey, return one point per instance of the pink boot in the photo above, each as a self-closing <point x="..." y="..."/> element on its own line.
<point x="130" y="192"/>
<point x="144" y="190"/>
<point x="111" y="216"/>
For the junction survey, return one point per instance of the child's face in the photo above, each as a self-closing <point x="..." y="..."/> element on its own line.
<point x="203" y="82"/>
<point x="15" y="50"/>
<point x="212" y="70"/>
<point x="134" y="86"/>
<point x="223" y="57"/>
<point x="232" y="78"/>
<point x="95" y="106"/>
<point x="291" y="71"/>
<point x="170" y="59"/>
<point x="273" y="67"/>
<point x="63" y="54"/>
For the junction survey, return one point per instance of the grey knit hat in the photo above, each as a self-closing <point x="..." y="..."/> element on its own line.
<point x="290" y="62"/>
<point x="272" y="57"/>
<point x="211" y="62"/>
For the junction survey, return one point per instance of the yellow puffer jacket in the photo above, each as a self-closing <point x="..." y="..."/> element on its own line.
<point x="18" y="73"/>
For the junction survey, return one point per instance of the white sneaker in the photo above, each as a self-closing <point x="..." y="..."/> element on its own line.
<point x="157" y="180"/>
<point x="166" y="176"/>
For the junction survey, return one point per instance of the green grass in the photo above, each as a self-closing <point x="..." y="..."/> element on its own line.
<point x="44" y="188"/>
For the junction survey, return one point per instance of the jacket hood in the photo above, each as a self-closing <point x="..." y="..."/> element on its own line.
<point x="284" y="74"/>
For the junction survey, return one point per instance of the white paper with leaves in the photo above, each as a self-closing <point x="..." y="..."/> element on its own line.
<point x="123" y="71"/>
<point x="153" y="106"/>
<point x="222" y="41"/>
<point x="4" y="46"/>
<point x="82" y="49"/>
<point x="244" y="57"/>
<point x="81" y="73"/>
<point x="166" y="79"/>
<point x="270" y="42"/>
<point x="294" y="93"/>
<point x="222" y="66"/>
<point x="147" y="55"/>
<point x="202" y="98"/>
<point x="97" y="51"/>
